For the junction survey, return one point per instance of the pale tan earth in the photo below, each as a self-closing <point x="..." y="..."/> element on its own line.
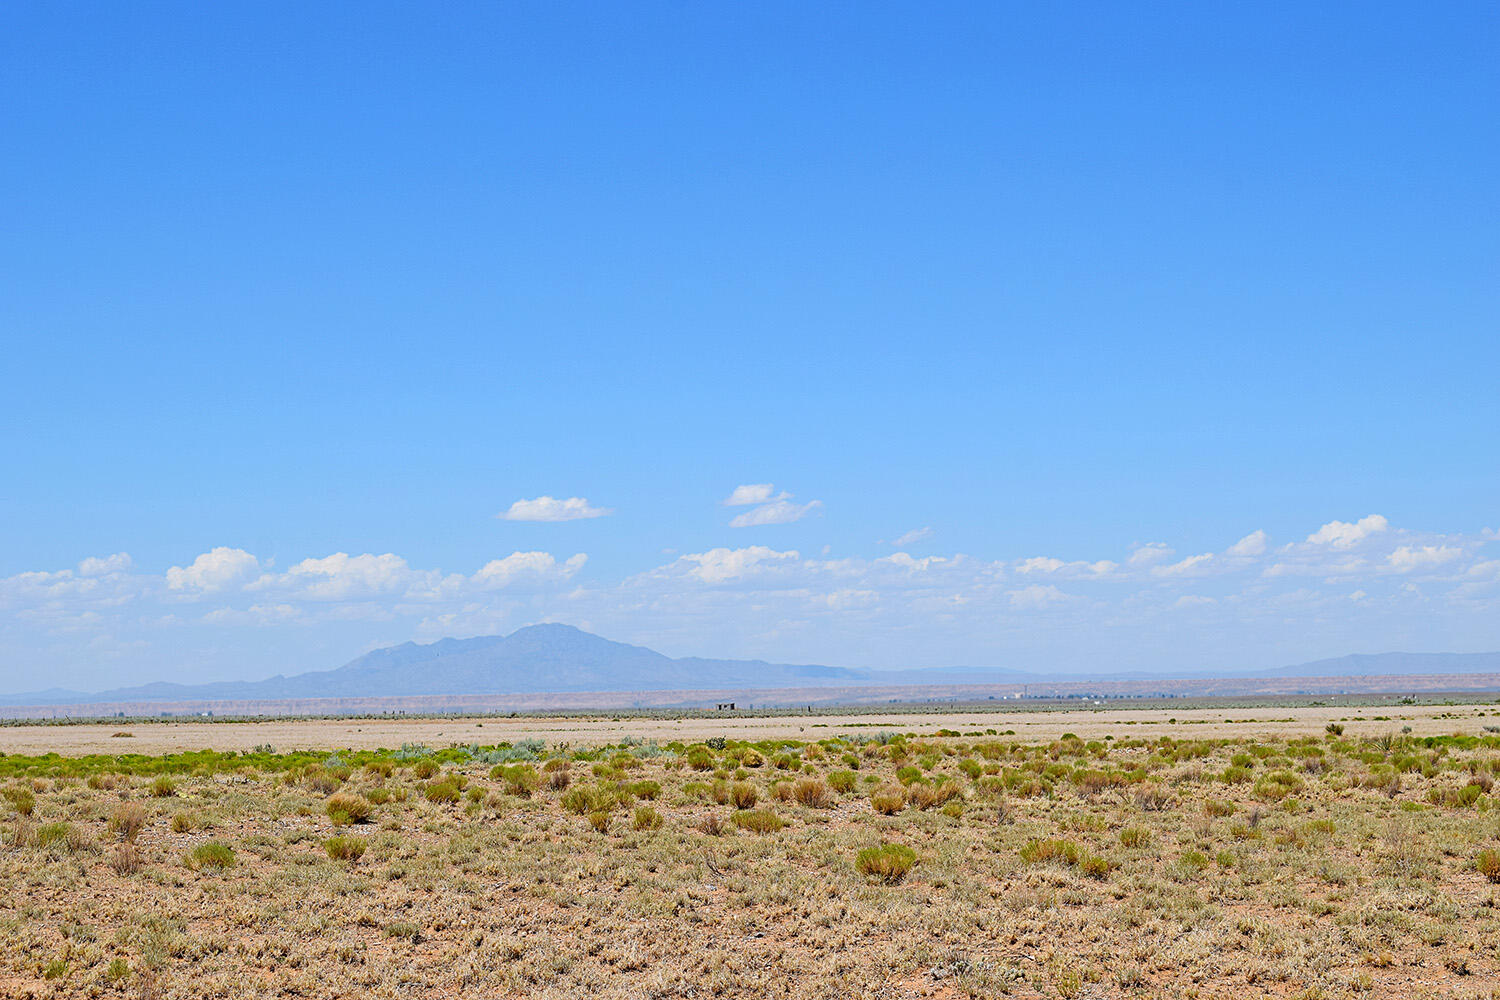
<point x="370" y="734"/>
<point x="1197" y="859"/>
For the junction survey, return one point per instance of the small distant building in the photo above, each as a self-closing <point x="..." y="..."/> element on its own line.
<point x="724" y="706"/>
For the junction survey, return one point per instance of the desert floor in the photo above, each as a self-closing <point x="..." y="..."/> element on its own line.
<point x="371" y="734"/>
<point x="1087" y="854"/>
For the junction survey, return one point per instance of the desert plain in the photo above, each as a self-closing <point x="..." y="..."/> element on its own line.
<point x="1312" y="851"/>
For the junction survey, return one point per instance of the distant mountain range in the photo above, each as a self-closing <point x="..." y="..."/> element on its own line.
<point x="561" y="658"/>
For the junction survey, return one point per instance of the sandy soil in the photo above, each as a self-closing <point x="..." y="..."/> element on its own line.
<point x="286" y="735"/>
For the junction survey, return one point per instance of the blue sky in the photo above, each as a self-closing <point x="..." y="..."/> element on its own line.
<point x="1069" y="283"/>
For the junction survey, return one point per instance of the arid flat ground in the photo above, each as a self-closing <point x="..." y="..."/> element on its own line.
<point x="372" y="734"/>
<point x="1282" y="854"/>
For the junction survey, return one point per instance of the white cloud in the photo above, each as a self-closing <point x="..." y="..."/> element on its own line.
<point x="1191" y="566"/>
<point x="721" y="565"/>
<point x="546" y="508"/>
<point x="775" y="512"/>
<point x="1194" y="601"/>
<point x="527" y="565"/>
<point x="913" y="536"/>
<point x="120" y="562"/>
<point x="1150" y="554"/>
<point x="1037" y="596"/>
<point x="1077" y="569"/>
<point x="342" y="577"/>
<point x="1343" y="535"/>
<point x="907" y="561"/>
<point x="751" y="493"/>
<point x="1039" y="564"/>
<point x="1414" y="557"/>
<point x="215" y="570"/>
<point x="1253" y="544"/>
<point x="255" y="614"/>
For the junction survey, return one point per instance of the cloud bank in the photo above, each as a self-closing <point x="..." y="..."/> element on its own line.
<point x="1358" y="585"/>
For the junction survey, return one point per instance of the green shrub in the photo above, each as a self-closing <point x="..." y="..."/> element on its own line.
<point x="127" y="821"/>
<point x="345" y="848"/>
<point x="888" y="799"/>
<point x="647" y="790"/>
<point x="1135" y="836"/>
<point x="758" y="821"/>
<point x="813" y="793"/>
<point x="163" y="787"/>
<point x="22" y="800"/>
<point x="521" y="780"/>
<point x="743" y="795"/>
<point x="599" y="820"/>
<point x="841" y="781"/>
<point x="213" y="854"/>
<point x="1488" y="865"/>
<point x="1094" y="866"/>
<point x="1039" y="852"/>
<point x="345" y="808"/>
<point x="647" y="818"/>
<point x="443" y="790"/>
<point x="887" y="863"/>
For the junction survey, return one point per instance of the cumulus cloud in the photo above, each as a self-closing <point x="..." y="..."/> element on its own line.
<point x="527" y="566"/>
<point x="215" y="570"/>
<point x="913" y="536"/>
<point x="1192" y="565"/>
<point x="752" y="493"/>
<point x="1037" y="596"/>
<point x="1077" y="569"/>
<point x="907" y="561"/>
<point x="1150" y="554"/>
<point x="342" y="577"/>
<point x="120" y="562"/>
<point x="722" y="565"/>
<point x="775" y="512"/>
<point x="1253" y="544"/>
<point x="546" y="508"/>
<point x="1415" y="557"/>
<point x="1343" y="535"/>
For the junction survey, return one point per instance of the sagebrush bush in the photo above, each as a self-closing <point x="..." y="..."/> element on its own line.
<point x="345" y="848"/>
<point x="758" y="821"/>
<point x="813" y="793"/>
<point x="23" y="800"/>
<point x="345" y="808"/>
<point x="1039" y="852"/>
<point x="213" y="854"/>
<point x="520" y="779"/>
<point x="888" y="799"/>
<point x="887" y="863"/>
<point x="443" y="790"/>
<point x="125" y="859"/>
<point x="127" y="821"/>
<point x="743" y="795"/>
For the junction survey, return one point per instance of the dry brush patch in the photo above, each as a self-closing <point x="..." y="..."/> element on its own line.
<point x="930" y="862"/>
